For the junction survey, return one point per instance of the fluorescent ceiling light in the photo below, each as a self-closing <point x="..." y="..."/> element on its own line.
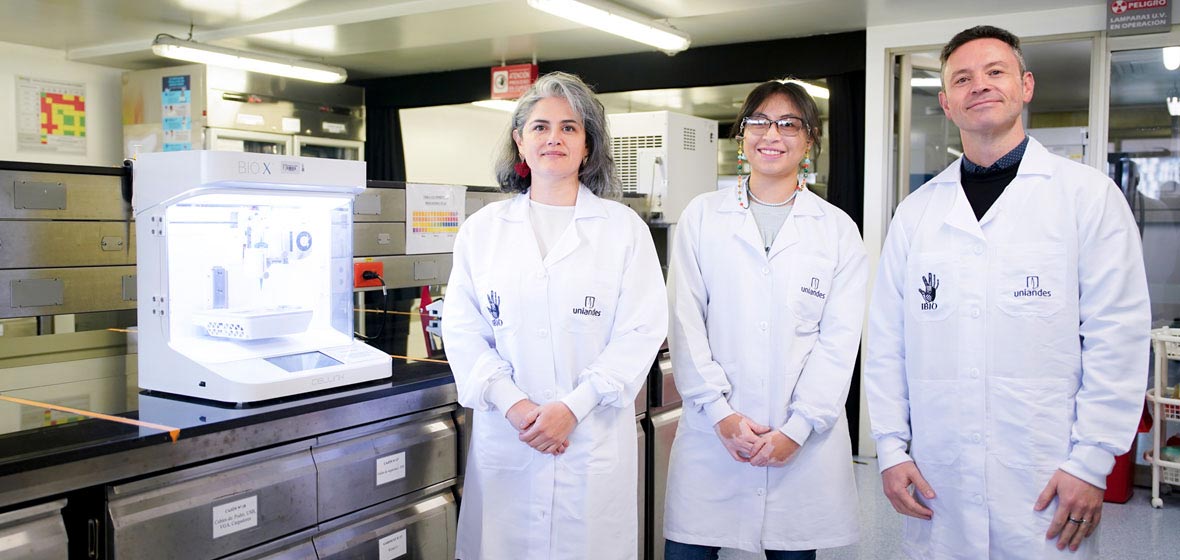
<point x="811" y="89"/>
<point x="497" y="104"/>
<point x="926" y="82"/>
<point x="1171" y="58"/>
<point x="611" y="18"/>
<point x="180" y="49"/>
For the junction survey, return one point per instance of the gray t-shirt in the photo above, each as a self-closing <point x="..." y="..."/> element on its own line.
<point x="770" y="219"/>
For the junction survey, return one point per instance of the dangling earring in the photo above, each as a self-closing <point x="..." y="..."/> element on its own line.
<point x="522" y="168"/>
<point x="806" y="167"/>
<point x="740" y="189"/>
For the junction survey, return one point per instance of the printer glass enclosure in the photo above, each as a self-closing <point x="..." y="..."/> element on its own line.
<point x="265" y="271"/>
<point x="245" y="275"/>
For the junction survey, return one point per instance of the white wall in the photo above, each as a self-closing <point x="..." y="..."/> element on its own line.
<point x="878" y="113"/>
<point x="104" y="128"/>
<point x="452" y="144"/>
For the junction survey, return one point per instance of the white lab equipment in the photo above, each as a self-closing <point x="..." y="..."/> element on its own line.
<point x="667" y="156"/>
<point x="245" y="275"/>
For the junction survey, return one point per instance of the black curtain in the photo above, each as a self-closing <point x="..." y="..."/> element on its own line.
<point x="846" y="126"/>
<point x="384" y="154"/>
<point x="836" y="54"/>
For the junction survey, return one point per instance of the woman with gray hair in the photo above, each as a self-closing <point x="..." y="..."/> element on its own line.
<point x="555" y="309"/>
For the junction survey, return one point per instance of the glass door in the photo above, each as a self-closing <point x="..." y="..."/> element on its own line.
<point x="925" y="142"/>
<point x="330" y="148"/>
<point x="228" y="140"/>
<point x="1144" y="161"/>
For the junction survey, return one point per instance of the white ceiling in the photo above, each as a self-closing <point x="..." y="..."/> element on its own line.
<point x="398" y="37"/>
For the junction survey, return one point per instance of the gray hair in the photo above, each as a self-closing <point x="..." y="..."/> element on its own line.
<point x="598" y="173"/>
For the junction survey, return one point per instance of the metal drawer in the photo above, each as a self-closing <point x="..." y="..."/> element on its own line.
<point x="367" y="465"/>
<point x="36" y="244"/>
<point x="412" y="271"/>
<point x="31" y="292"/>
<point x="295" y="547"/>
<point x="216" y="509"/>
<point x="371" y="239"/>
<point x="34" y="533"/>
<point x="380" y="204"/>
<point x="61" y="196"/>
<point x="420" y="526"/>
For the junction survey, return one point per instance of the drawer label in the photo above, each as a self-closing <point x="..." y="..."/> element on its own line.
<point x="393" y="546"/>
<point x="391" y="468"/>
<point x="236" y="516"/>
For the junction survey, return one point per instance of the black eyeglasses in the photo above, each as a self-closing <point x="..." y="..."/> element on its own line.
<point x="787" y="126"/>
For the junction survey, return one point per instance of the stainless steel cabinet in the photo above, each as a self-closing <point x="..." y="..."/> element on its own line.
<point x="216" y="509"/>
<point x="663" y="431"/>
<point x="370" y="464"/>
<point x="295" y="547"/>
<point x="418" y="526"/>
<point x="34" y="533"/>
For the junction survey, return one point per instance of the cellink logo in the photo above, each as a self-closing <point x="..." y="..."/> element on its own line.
<point x="814" y="289"/>
<point x="587" y="308"/>
<point x="1032" y="288"/>
<point x="930" y="292"/>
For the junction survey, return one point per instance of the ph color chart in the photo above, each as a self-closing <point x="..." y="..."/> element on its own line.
<point x="435" y="222"/>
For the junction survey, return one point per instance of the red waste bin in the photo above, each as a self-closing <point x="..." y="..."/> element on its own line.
<point x="1122" y="477"/>
<point x="1118" y="484"/>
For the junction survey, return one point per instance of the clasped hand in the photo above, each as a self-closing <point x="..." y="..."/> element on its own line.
<point x="545" y="428"/>
<point x="750" y="442"/>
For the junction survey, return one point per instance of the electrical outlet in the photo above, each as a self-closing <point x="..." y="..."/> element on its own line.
<point x="359" y="268"/>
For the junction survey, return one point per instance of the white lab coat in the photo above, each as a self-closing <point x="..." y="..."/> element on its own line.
<point x="1030" y="356"/>
<point x="772" y="336"/>
<point x="582" y="326"/>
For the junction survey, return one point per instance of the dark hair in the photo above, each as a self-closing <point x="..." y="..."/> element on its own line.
<point x="598" y="173"/>
<point x="796" y="95"/>
<point x="982" y="32"/>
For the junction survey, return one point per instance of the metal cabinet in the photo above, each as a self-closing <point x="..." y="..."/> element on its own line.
<point x="374" y="463"/>
<point x="663" y="432"/>
<point x="641" y="441"/>
<point x="34" y="533"/>
<point x="216" y="509"/>
<point x="295" y="547"/>
<point x="418" y="526"/>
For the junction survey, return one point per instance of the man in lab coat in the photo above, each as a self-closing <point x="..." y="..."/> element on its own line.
<point x="1008" y="332"/>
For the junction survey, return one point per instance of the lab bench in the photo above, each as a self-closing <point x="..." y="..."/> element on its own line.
<point x="364" y="471"/>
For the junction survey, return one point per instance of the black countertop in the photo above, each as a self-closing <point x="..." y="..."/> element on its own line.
<point x="31" y="449"/>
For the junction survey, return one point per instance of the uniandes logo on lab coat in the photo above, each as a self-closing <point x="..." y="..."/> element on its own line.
<point x="587" y="308"/>
<point x="813" y="290"/>
<point x="930" y="292"/>
<point x="1032" y="288"/>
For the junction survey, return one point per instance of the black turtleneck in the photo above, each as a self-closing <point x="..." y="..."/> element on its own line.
<point x="983" y="189"/>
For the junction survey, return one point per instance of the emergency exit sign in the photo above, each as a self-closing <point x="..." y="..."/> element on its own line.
<point x="510" y="82"/>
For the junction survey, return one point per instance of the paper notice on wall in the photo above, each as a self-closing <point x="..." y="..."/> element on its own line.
<point x="176" y="112"/>
<point x="50" y="115"/>
<point x="433" y="216"/>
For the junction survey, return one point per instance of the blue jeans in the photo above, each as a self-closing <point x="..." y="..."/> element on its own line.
<point x="680" y="551"/>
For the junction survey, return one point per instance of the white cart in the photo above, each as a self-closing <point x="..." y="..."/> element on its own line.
<point x="1165" y="406"/>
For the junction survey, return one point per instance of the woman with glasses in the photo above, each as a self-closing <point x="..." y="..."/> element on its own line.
<point x="554" y="312"/>
<point x="769" y="295"/>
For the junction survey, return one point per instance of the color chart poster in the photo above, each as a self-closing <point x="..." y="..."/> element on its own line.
<point x="433" y="216"/>
<point x="50" y="116"/>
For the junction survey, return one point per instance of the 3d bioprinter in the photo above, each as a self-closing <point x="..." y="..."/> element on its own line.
<point x="245" y="275"/>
